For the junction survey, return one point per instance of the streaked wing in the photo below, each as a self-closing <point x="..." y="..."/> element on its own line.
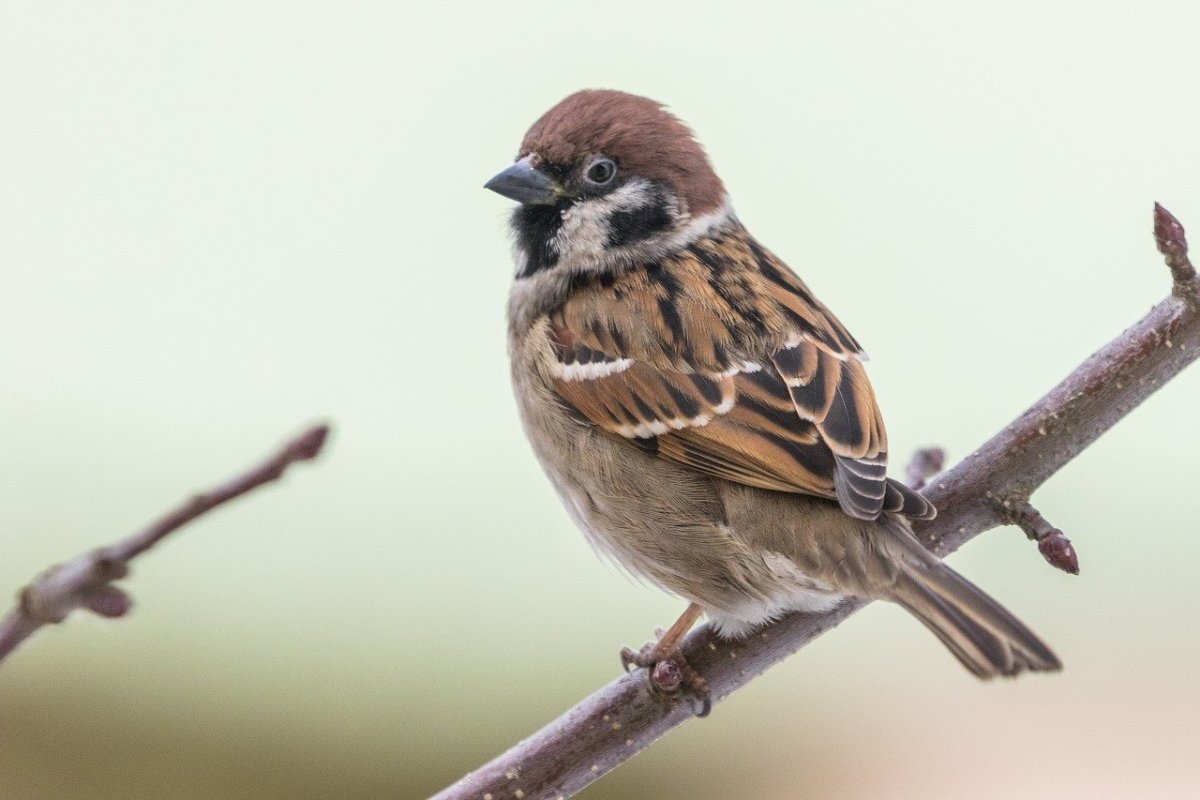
<point x="725" y="425"/>
<point x="722" y="360"/>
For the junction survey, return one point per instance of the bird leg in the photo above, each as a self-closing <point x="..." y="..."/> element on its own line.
<point x="669" y="670"/>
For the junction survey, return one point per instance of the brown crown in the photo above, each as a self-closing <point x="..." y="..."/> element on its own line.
<point x="636" y="132"/>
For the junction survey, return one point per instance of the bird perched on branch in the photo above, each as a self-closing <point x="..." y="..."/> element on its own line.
<point x="706" y="420"/>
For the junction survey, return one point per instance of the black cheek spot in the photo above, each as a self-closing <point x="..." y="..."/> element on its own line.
<point x="638" y="224"/>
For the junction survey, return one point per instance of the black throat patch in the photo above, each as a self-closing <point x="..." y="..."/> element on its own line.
<point x="535" y="227"/>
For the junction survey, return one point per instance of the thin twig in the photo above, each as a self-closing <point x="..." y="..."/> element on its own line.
<point x="1172" y="243"/>
<point x="924" y="465"/>
<point x="623" y="718"/>
<point x="1053" y="544"/>
<point x="86" y="581"/>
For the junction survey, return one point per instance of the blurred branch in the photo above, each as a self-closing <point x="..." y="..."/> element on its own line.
<point x="991" y="487"/>
<point x="924" y="465"/>
<point x="86" y="581"/>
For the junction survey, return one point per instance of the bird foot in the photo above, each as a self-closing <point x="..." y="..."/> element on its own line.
<point x="669" y="671"/>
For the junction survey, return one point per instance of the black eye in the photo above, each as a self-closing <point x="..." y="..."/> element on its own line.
<point x="601" y="172"/>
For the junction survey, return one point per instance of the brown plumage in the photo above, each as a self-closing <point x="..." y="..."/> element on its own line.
<point x="707" y="420"/>
<point x="637" y="133"/>
<point x="737" y="371"/>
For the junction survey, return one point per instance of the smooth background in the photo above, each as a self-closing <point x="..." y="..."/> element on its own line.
<point x="221" y="221"/>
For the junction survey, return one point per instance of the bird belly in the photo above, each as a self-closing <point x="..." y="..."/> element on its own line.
<point x="664" y="522"/>
<point x="743" y="620"/>
<point x="699" y="559"/>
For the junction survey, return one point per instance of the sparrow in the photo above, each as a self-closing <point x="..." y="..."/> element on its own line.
<point x="705" y="419"/>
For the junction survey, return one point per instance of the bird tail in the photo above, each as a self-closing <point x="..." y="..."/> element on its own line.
<point x="982" y="634"/>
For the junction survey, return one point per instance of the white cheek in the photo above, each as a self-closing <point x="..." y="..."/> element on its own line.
<point x="583" y="237"/>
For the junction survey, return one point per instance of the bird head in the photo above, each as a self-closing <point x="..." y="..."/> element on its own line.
<point x="606" y="179"/>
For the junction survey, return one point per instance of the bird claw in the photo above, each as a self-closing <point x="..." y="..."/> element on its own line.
<point x="631" y="658"/>
<point x="669" y="671"/>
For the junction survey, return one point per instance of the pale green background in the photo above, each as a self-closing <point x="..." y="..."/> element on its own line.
<point x="220" y="221"/>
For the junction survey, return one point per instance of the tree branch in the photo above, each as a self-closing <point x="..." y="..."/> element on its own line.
<point x="991" y="487"/>
<point x="1053" y="544"/>
<point x="86" y="581"/>
<point x="924" y="465"/>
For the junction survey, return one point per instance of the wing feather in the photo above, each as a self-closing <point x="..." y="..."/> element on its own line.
<point x="662" y="356"/>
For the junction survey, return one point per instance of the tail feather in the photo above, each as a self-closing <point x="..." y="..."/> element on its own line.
<point x="977" y="648"/>
<point x="900" y="499"/>
<point x="981" y="633"/>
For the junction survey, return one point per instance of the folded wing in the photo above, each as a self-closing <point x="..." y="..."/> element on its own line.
<point x="658" y="361"/>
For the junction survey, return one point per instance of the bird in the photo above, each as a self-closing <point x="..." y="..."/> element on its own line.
<point x="705" y="419"/>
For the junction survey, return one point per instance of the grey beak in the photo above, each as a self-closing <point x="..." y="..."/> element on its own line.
<point x="525" y="184"/>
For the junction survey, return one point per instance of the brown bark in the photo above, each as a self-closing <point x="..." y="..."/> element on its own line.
<point x="991" y="487"/>
<point x="86" y="581"/>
